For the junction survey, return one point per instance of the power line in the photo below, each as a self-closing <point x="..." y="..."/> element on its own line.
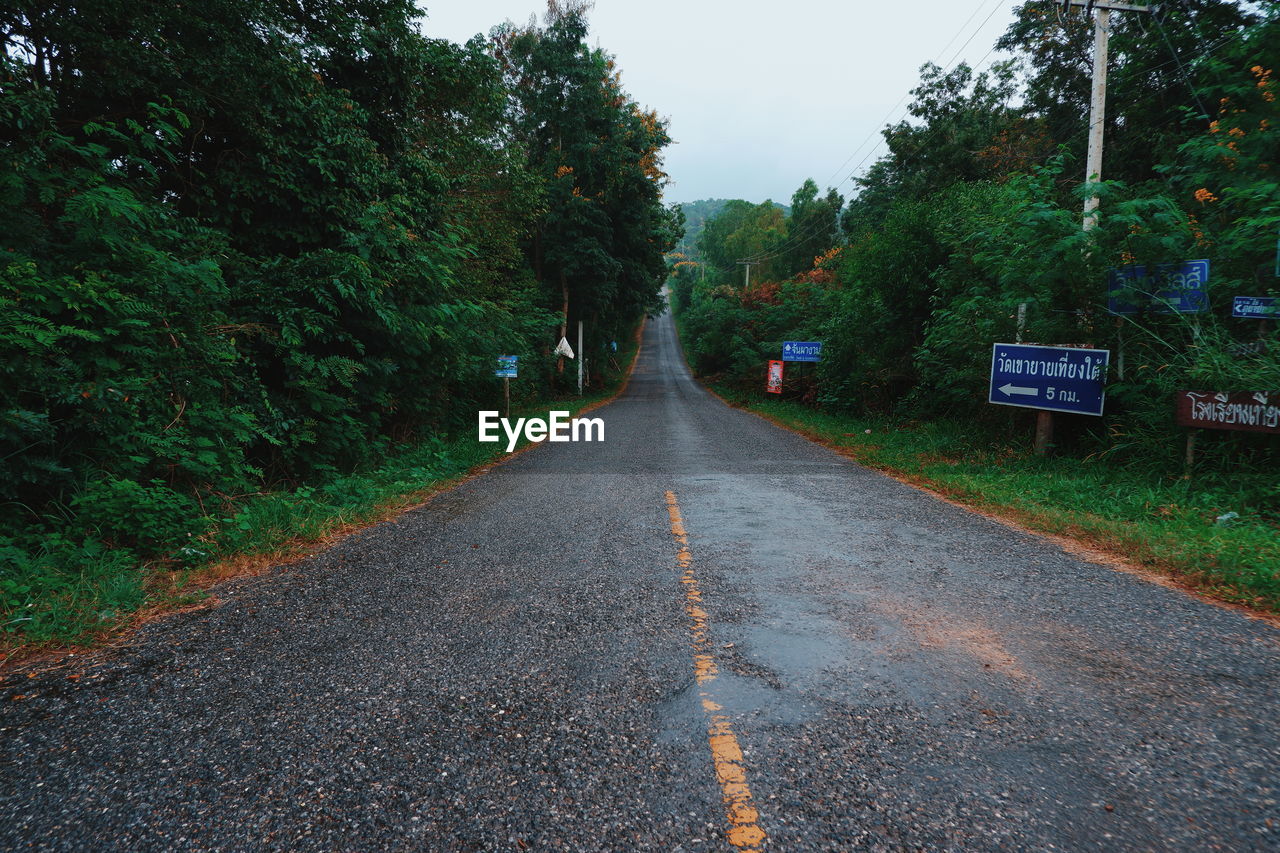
<point x="793" y="241"/>
<point x="894" y="109"/>
<point x="1204" y="54"/>
<point x="1181" y="70"/>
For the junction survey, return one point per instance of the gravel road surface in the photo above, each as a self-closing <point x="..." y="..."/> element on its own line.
<point x="704" y="633"/>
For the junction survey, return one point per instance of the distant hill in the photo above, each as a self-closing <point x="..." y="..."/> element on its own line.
<point x="696" y="214"/>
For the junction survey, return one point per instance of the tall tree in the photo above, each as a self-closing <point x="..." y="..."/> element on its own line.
<point x="959" y="115"/>
<point x="744" y="230"/>
<point x="813" y="226"/>
<point x="1160" y="88"/>
<point x="597" y="247"/>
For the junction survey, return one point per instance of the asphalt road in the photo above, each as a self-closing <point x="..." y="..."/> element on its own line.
<point x="701" y="633"/>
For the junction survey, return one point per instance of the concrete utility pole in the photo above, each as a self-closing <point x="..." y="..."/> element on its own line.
<point x="746" y="281"/>
<point x="582" y="357"/>
<point x="1097" y="119"/>
<point x="1097" y="112"/>
<point x="1101" y="11"/>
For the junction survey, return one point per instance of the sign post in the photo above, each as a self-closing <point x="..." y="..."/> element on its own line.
<point x="810" y="351"/>
<point x="507" y="370"/>
<point x="582" y="358"/>
<point x="1048" y="379"/>
<point x="1261" y="308"/>
<point x="1248" y="411"/>
<point x="1056" y="379"/>
<point x="1256" y="307"/>
<point x="1162" y="289"/>
<point x="773" y="384"/>
<point x="801" y="350"/>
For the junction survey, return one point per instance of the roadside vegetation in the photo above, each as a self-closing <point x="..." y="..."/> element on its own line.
<point x="263" y="529"/>
<point x="1165" y="523"/>
<point x="257" y="262"/>
<point x="973" y="219"/>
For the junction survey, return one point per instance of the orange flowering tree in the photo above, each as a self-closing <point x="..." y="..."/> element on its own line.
<point x="1230" y="171"/>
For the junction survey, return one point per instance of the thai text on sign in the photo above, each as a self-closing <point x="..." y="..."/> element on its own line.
<point x="1250" y="411"/>
<point x="1089" y="368"/>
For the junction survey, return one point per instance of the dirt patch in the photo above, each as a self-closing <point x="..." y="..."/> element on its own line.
<point x="948" y="632"/>
<point x="978" y="642"/>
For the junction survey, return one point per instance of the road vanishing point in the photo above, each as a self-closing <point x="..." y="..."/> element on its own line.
<point x="705" y="633"/>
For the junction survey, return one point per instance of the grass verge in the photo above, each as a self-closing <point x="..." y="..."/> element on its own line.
<point x="77" y="593"/>
<point x="1168" y="525"/>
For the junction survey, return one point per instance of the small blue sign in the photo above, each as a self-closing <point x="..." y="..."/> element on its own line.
<point x="1165" y="289"/>
<point x="1256" y="307"/>
<point x="506" y="366"/>
<point x="1058" y="379"/>
<point x="801" y="350"/>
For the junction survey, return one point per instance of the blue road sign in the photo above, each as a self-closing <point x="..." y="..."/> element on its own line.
<point x="1164" y="289"/>
<point x="1256" y="307"/>
<point x="1059" y="379"/>
<point x="801" y="350"/>
<point x="506" y="366"/>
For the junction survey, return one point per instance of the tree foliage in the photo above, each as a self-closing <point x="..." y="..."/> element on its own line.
<point x="252" y="243"/>
<point x="975" y="213"/>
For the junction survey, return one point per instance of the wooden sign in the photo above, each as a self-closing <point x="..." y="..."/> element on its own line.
<point x="1252" y="411"/>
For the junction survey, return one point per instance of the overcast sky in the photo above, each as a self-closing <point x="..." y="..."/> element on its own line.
<point x="760" y="96"/>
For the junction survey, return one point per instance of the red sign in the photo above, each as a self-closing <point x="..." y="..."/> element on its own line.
<point x="774" y="385"/>
<point x="1253" y="411"/>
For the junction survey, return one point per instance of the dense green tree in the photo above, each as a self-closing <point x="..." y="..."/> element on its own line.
<point x="328" y="143"/>
<point x="597" y="248"/>
<point x="251" y="243"/>
<point x="975" y="213"/>
<point x="743" y="230"/>
<point x="696" y="214"/>
<point x="119" y="361"/>
<point x="968" y="129"/>
<point x="1161" y="85"/>
<point x="813" y="227"/>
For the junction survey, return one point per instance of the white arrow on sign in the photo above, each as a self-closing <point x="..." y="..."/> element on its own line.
<point x="1011" y="390"/>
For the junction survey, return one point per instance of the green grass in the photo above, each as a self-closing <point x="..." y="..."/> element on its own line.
<point x="1168" y="524"/>
<point x="73" y="589"/>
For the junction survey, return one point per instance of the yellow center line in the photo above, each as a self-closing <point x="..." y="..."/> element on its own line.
<point x="744" y="830"/>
